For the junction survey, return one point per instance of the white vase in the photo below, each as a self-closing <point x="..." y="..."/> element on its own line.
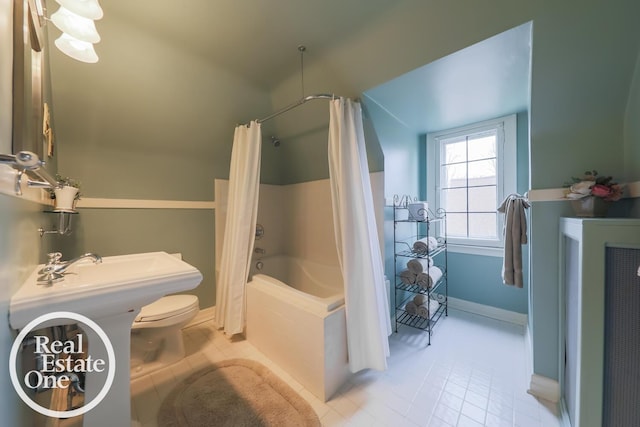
<point x="65" y="198"/>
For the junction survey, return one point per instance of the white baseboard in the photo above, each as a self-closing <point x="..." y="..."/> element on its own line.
<point x="544" y="388"/>
<point x="488" y="311"/>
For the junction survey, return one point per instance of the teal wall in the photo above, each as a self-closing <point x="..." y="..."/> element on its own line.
<point x="401" y="150"/>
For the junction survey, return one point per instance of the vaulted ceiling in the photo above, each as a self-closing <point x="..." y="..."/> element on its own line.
<point x="257" y="40"/>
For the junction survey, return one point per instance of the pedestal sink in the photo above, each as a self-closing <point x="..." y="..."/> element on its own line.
<point x="110" y="294"/>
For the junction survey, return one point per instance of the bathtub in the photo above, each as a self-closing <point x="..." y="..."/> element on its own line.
<point x="296" y="317"/>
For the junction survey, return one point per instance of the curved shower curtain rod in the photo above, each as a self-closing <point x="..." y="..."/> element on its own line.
<point x="298" y="103"/>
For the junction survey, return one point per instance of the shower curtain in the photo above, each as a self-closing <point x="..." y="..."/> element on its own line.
<point x="239" y="232"/>
<point x="367" y="309"/>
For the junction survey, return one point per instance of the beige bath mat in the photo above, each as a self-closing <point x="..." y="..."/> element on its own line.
<point x="235" y="393"/>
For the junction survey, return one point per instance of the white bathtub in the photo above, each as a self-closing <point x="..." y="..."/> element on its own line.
<point x="296" y="317"/>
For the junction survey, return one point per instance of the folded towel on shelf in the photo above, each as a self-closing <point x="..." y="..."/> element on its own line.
<point x="419" y="265"/>
<point x="401" y="214"/>
<point x="420" y="299"/>
<point x="411" y="308"/>
<point x="418" y="211"/>
<point x="408" y="277"/>
<point x="427" y="310"/>
<point x="428" y="279"/>
<point x="425" y="245"/>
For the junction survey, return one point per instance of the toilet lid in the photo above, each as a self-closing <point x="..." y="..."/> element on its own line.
<point x="168" y="306"/>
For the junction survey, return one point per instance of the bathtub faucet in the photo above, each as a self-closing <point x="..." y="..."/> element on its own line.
<point x="260" y="251"/>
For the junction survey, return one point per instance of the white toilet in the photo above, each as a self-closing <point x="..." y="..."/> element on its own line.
<point x="156" y="336"/>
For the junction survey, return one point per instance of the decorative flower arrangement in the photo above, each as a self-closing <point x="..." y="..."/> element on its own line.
<point x="593" y="185"/>
<point x="66" y="182"/>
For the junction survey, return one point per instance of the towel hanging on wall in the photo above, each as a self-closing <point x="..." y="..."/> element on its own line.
<point x="515" y="235"/>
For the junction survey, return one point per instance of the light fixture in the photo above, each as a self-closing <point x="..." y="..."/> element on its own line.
<point x="75" y="20"/>
<point x="77" y="49"/>
<point x="89" y="9"/>
<point x="75" y="25"/>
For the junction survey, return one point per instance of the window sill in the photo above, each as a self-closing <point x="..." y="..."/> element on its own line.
<point x="476" y="250"/>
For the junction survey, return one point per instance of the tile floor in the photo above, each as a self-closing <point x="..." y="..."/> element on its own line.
<point x="473" y="374"/>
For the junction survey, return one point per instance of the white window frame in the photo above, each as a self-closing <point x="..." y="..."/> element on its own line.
<point x="506" y="160"/>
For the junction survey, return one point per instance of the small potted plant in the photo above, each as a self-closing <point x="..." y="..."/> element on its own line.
<point x="590" y="195"/>
<point x="66" y="194"/>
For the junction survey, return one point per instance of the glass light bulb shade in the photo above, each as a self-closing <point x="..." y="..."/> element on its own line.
<point x="89" y="9"/>
<point x="75" y="25"/>
<point x="77" y="49"/>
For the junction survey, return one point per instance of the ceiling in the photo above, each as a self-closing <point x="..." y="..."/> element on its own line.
<point x="257" y="40"/>
<point x="486" y="80"/>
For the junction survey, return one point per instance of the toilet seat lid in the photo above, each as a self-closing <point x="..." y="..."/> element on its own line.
<point x="168" y="306"/>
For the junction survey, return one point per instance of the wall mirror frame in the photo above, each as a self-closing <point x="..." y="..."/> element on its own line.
<point x="31" y="83"/>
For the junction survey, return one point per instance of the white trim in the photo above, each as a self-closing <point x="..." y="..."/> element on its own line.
<point x="98" y="203"/>
<point x="476" y="250"/>
<point x="544" y="388"/>
<point x="528" y="350"/>
<point x="546" y="195"/>
<point x="506" y="145"/>
<point x="632" y="190"/>
<point x="488" y="311"/>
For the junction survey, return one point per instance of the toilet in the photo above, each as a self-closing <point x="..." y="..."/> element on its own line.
<point x="156" y="336"/>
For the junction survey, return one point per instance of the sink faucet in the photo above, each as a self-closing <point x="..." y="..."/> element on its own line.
<point x="54" y="270"/>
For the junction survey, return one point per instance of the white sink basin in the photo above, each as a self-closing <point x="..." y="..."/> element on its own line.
<point x="119" y="284"/>
<point x="110" y="294"/>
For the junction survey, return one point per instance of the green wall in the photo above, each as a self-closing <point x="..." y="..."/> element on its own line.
<point x="632" y="129"/>
<point x="187" y="231"/>
<point x="21" y="249"/>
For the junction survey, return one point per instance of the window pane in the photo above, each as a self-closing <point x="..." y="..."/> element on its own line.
<point x="454" y="175"/>
<point x="454" y="200"/>
<point x="483" y="199"/>
<point x="482" y="225"/>
<point x="456" y="225"/>
<point x="454" y="152"/>
<point x="483" y="147"/>
<point x="482" y="172"/>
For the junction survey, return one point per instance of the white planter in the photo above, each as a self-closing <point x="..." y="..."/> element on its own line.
<point x="65" y="198"/>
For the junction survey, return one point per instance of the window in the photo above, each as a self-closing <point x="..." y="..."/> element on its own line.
<point x="471" y="169"/>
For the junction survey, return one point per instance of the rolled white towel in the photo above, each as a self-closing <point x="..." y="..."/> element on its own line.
<point x="427" y="280"/>
<point x="408" y="277"/>
<point x="427" y="310"/>
<point x="418" y="211"/>
<point x="411" y="308"/>
<point x="425" y="245"/>
<point x="418" y="265"/>
<point x="402" y="214"/>
<point x="420" y="299"/>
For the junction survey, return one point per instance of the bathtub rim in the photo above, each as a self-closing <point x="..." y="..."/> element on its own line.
<point x="319" y="306"/>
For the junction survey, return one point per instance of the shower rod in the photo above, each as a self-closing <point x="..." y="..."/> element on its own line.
<point x="296" y="104"/>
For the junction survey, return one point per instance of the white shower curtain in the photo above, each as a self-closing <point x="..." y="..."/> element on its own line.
<point x="239" y="232"/>
<point x="368" y="321"/>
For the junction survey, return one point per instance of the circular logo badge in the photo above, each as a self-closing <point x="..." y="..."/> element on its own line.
<point x="54" y="349"/>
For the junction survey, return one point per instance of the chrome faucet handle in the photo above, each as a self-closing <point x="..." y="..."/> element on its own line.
<point x="54" y="260"/>
<point x="54" y="257"/>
